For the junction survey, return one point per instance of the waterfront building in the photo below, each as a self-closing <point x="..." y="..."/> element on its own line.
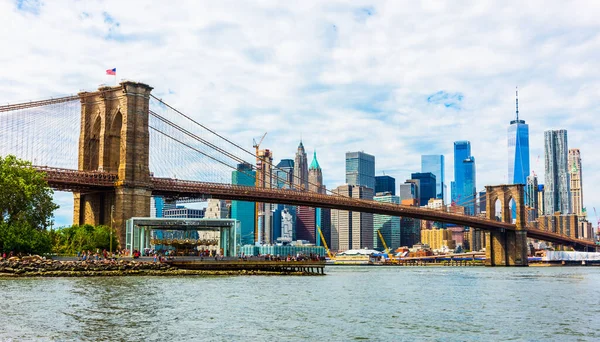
<point x="183" y="212"/>
<point x="518" y="149"/>
<point x="437" y="239"/>
<point x="284" y="174"/>
<point x="301" y="169"/>
<point x="410" y="231"/>
<point x="385" y="184"/>
<point x="389" y="226"/>
<point x="464" y="185"/>
<point x="557" y="194"/>
<point x="435" y="164"/>
<point x="576" y="183"/>
<point x="351" y="230"/>
<point x="427" y="186"/>
<point x="360" y="169"/>
<point x="243" y="211"/>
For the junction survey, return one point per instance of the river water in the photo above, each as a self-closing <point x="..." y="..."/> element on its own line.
<point x="350" y="303"/>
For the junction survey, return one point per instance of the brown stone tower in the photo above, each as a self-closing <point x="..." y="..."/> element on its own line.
<point x="508" y="248"/>
<point x="114" y="139"/>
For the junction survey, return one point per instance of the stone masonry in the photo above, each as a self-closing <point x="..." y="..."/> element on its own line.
<point x="114" y="138"/>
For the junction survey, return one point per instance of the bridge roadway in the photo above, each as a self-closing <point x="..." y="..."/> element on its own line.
<point x="74" y="180"/>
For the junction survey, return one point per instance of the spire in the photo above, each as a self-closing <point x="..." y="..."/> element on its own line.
<point x="315" y="164"/>
<point x="517" y="102"/>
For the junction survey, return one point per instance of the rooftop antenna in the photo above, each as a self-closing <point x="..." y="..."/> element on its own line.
<point x="517" y="102"/>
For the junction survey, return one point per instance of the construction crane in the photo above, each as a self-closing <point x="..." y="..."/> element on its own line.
<point x="387" y="250"/>
<point x="257" y="184"/>
<point x="325" y="244"/>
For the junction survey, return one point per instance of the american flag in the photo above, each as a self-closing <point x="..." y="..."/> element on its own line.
<point x="112" y="71"/>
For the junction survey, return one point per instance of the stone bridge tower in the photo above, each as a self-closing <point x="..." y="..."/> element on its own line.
<point x="508" y="248"/>
<point x="114" y="138"/>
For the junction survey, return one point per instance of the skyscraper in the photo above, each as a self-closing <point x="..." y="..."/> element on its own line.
<point x="241" y="210"/>
<point x="315" y="176"/>
<point x="351" y="230"/>
<point x="427" y="186"/>
<point x="284" y="174"/>
<point x="557" y="194"/>
<point x="464" y="185"/>
<point x="531" y="197"/>
<point x="284" y="216"/>
<point x="301" y="169"/>
<point x="385" y="184"/>
<point x="576" y="182"/>
<point x="435" y="164"/>
<point x="306" y="216"/>
<point x="264" y="173"/>
<point x="389" y="226"/>
<point x="518" y="149"/>
<point x="360" y="169"/>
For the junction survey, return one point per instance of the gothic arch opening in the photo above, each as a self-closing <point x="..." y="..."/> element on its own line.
<point x="94" y="145"/>
<point x="512" y="209"/>
<point x="498" y="210"/>
<point x="114" y="144"/>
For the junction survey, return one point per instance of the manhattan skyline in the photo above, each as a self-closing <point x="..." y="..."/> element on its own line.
<point x="370" y="77"/>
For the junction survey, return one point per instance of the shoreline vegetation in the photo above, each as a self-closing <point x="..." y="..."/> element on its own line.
<point x="36" y="266"/>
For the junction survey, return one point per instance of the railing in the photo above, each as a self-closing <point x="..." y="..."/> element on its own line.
<point x="75" y="179"/>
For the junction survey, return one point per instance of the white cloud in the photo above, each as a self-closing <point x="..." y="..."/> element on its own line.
<point x="344" y="76"/>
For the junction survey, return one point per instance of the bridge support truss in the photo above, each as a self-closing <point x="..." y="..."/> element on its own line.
<point x="506" y="248"/>
<point x="114" y="138"/>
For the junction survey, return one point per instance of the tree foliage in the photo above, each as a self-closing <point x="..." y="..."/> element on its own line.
<point x="72" y="239"/>
<point x="25" y="197"/>
<point x="25" y="207"/>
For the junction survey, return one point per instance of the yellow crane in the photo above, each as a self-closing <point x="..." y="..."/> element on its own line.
<point x="257" y="184"/>
<point x="387" y="250"/>
<point x="325" y="244"/>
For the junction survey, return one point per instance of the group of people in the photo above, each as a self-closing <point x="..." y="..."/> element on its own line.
<point x="9" y="255"/>
<point x="98" y="255"/>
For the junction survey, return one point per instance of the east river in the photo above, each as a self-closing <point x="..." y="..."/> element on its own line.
<point x="350" y="303"/>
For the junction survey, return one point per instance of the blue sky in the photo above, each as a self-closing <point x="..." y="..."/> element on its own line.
<point x="395" y="79"/>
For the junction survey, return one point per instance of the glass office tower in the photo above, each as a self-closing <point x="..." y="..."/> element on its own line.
<point x="464" y="185"/>
<point x="556" y="188"/>
<point x="434" y="163"/>
<point x="518" y="150"/>
<point x="360" y="169"/>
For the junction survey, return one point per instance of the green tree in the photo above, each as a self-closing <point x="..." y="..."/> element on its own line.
<point x="25" y="207"/>
<point x="70" y="240"/>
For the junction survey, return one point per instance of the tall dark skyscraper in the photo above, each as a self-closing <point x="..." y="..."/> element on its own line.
<point x="435" y="164"/>
<point x="427" y="186"/>
<point x="518" y="149"/>
<point x="385" y="184"/>
<point x="556" y="188"/>
<point x="464" y="186"/>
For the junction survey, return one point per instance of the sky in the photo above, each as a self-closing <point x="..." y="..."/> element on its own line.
<point x="395" y="79"/>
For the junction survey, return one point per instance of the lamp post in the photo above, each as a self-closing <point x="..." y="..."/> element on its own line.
<point x="112" y="210"/>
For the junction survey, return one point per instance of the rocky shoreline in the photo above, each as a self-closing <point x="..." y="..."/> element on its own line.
<point x="35" y="266"/>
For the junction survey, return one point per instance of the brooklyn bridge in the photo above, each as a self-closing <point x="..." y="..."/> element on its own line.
<point x="116" y="147"/>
